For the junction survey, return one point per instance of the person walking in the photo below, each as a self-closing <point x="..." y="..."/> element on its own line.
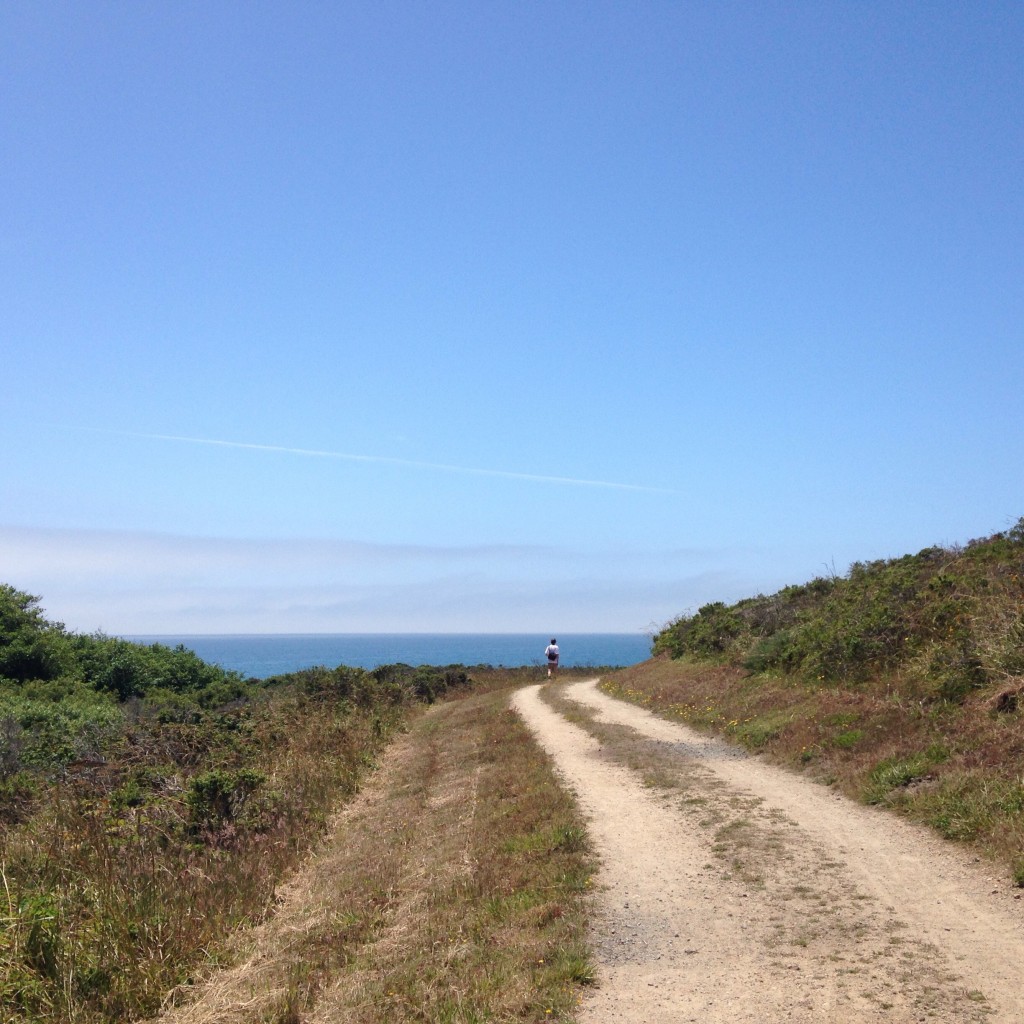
<point x="551" y="653"/>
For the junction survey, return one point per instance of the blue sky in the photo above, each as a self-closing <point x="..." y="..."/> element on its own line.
<point x="499" y="317"/>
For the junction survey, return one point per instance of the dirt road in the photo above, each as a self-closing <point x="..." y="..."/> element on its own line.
<point x="731" y="891"/>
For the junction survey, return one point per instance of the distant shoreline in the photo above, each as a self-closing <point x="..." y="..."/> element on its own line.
<point x="265" y="654"/>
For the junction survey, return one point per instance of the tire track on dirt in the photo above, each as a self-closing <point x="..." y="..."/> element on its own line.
<point x="852" y="916"/>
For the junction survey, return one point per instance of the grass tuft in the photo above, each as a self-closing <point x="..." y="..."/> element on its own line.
<point x="1018" y="873"/>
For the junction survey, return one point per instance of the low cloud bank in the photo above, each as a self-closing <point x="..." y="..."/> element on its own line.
<point x="132" y="582"/>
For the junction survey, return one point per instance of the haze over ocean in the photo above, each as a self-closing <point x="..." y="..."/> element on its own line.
<point x="263" y="655"/>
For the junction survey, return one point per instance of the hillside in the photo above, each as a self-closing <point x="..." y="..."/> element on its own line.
<point x="900" y="683"/>
<point x="152" y="806"/>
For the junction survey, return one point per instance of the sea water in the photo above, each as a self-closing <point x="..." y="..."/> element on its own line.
<point x="262" y="655"/>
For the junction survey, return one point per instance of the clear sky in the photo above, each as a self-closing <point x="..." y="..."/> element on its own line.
<point x="459" y="316"/>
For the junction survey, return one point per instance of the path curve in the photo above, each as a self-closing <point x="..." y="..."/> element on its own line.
<point x="858" y="916"/>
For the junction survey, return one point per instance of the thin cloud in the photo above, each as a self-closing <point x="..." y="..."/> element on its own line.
<point x="459" y="604"/>
<point x="391" y="461"/>
<point x="52" y="556"/>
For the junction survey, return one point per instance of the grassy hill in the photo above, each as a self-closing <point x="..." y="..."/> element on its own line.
<point x="901" y="683"/>
<point x="151" y="804"/>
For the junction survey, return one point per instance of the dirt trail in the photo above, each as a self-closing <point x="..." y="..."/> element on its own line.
<point x="744" y="893"/>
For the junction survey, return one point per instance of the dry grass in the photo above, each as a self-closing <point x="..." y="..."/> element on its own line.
<point x="122" y="877"/>
<point x="453" y="890"/>
<point x="108" y="905"/>
<point x="956" y="768"/>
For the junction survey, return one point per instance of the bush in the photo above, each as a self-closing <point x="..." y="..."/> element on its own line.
<point x="30" y="647"/>
<point x="217" y="797"/>
<point x="778" y="651"/>
<point x="18" y="794"/>
<point x="42" y="733"/>
<point x="949" y="617"/>
<point x="707" y="634"/>
<point x="899" y="772"/>
<point x="139" y="825"/>
<point x="133" y="670"/>
<point x="958" y="671"/>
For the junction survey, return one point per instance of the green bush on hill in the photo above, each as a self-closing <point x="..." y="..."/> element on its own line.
<point x="951" y="617"/>
<point x="30" y="646"/>
<point x="65" y="697"/>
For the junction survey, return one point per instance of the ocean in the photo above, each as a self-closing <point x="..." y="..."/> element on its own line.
<point x="262" y="655"/>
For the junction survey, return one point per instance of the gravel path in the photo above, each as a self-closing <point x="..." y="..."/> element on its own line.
<point x="744" y="893"/>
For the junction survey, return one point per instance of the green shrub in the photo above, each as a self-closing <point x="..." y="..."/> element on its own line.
<point x="43" y="733"/>
<point x="18" y="795"/>
<point x="217" y="797"/>
<point x="958" y="670"/>
<point x="898" y="772"/>
<point x="30" y="646"/>
<point x="168" y="708"/>
<point x="129" y="670"/>
<point x="778" y="651"/>
<point x="139" y="825"/>
<point x="759" y="731"/>
<point x="949" y="616"/>
<point x="709" y="633"/>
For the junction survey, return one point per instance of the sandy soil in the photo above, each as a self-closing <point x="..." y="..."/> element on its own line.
<point x="750" y="894"/>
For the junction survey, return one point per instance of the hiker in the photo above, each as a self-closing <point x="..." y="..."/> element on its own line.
<point x="551" y="653"/>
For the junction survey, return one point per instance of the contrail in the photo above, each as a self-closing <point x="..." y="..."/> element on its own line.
<point x="391" y="461"/>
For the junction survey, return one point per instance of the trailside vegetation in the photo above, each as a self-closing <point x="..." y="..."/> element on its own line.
<point x="150" y="803"/>
<point x="901" y="682"/>
<point x="950" y="618"/>
<point x="457" y="892"/>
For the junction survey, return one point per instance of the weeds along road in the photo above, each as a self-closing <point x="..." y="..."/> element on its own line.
<point x="731" y="891"/>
